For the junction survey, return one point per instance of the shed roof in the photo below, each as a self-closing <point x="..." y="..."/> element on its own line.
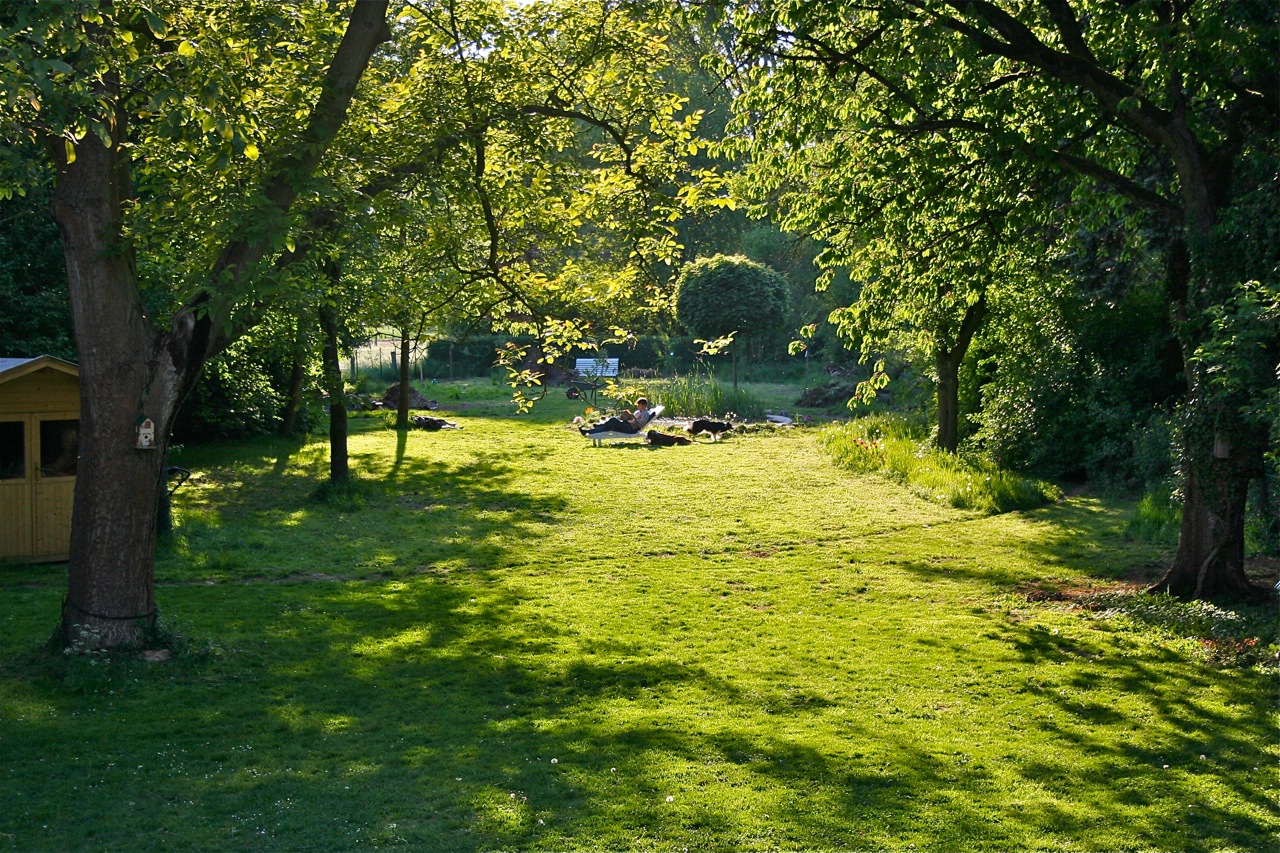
<point x="12" y="368"/>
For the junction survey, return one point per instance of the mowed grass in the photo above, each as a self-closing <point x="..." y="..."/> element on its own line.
<point x="519" y="641"/>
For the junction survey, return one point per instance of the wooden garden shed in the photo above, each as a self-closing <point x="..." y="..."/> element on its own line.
<point x="39" y="445"/>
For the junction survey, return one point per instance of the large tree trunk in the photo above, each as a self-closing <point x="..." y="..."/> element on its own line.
<point x="1221" y="454"/>
<point x="124" y="377"/>
<point x="1210" y="559"/>
<point x="1221" y="451"/>
<point x="948" y="400"/>
<point x="129" y="371"/>
<point x="947" y="362"/>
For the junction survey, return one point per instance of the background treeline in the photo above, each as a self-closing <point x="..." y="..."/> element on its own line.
<point x="1088" y="395"/>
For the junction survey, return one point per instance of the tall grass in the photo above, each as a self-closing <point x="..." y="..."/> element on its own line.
<point x="1156" y="518"/>
<point x="890" y="445"/>
<point x="695" y="396"/>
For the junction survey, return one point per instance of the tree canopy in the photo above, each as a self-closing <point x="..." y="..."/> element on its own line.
<point x="1162" y="112"/>
<point x="213" y="162"/>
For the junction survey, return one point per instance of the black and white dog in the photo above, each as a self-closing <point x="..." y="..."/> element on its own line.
<point x="714" y="428"/>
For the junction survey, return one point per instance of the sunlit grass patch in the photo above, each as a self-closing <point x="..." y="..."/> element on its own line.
<point x="1156" y="517"/>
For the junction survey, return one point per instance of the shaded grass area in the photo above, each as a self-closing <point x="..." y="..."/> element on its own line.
<point x="520" y="641"/>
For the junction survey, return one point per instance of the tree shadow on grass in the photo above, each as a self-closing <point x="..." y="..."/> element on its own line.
<point x="512" y="705"/>
<point x="425" y="712"/>
<point x="441" y="714"/>
<point x="1179" y="738"/>
<point x="1080" y="537"/>
<point x="1087" y="536"/>
<point x="422" y="515"/>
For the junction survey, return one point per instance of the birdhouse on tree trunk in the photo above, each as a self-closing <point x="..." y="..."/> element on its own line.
<point x="146" y="439"/>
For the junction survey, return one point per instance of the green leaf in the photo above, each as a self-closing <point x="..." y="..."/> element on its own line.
<point x="159" y="28"/>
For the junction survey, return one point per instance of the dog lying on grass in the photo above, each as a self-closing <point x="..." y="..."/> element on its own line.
<point x="661" y="439"/>
<point x="432" y="424"/>
<point x="714" y="428"/>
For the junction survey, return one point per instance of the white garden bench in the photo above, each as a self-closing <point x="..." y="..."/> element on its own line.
<point x="597" y="439"/>
<point x="590" y="371"/>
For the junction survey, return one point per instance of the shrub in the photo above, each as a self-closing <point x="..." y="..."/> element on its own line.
<point x="720" y="295"/>
<point x="234" y="397"/>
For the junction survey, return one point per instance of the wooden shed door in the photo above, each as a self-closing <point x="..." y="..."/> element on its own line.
<point x="38" y="456"/>
<point x="57" y="450"/>
<point x="17" y="467"/>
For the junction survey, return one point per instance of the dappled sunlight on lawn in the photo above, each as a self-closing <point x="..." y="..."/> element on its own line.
<point x="509" y="639"/>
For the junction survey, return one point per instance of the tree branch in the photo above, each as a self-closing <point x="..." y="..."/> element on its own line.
<point x="366" y="29"/>
<point x="1132" y="190"/>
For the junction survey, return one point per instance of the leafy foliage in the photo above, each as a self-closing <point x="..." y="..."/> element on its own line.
<point x="35" y="312"/>
<point x="236" y="396"/>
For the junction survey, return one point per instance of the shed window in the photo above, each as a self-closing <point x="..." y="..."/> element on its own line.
<point x="13" y="450"/>
<point x="59" y="448"/>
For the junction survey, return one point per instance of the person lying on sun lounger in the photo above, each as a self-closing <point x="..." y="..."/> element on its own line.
<point x="626" y="421"/>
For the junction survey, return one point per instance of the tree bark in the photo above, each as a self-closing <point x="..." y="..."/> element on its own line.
<point x="297" y="375"/>
<point x="129" y="371"/>
<point x="1221" y="451"/>
<point x="947" y="362"/>
<point x="339" y="469"/>
<point x="1209" y="562"/>
<point x="402" y="405"/>
<point x="948" y="400"/>
<point x="110" y="597"/>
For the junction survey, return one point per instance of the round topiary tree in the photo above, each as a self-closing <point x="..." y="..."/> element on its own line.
<point x="722" y="295"/>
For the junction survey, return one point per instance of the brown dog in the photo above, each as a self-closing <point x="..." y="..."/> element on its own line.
<point x="661" y="439"/>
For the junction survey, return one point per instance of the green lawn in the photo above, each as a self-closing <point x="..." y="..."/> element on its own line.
<point x="519" y="641"/>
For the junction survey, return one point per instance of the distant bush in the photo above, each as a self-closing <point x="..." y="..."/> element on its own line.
<point x="897" y="449"/>
<point x="467" y="358"/>
<point x="233" y="398"/>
